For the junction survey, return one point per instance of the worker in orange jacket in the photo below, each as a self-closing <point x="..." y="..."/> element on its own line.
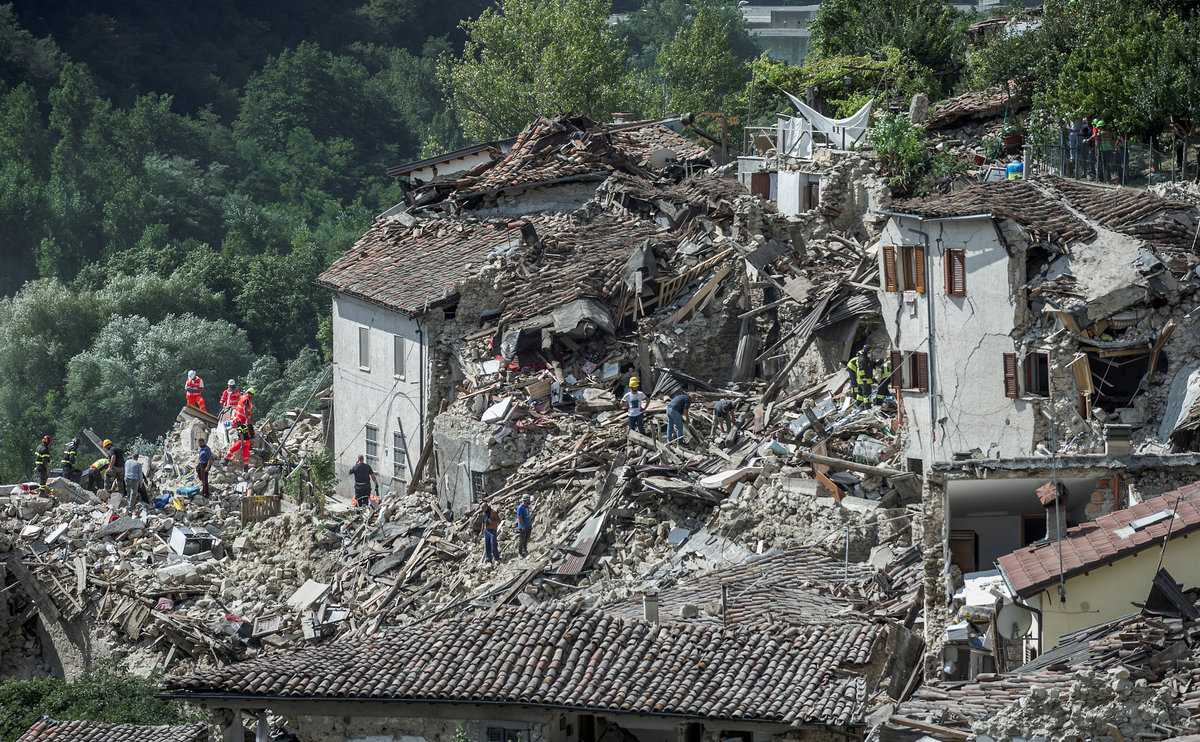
<point x="245" y="428"/>
<point x="193" y="388"/>
<point x="231" y="396"/>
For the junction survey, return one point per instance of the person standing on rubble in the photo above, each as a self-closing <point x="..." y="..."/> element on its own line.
<point x="491" y="544"/>
<point x="193" y="389"/>
<point x="41" y="462"/>
<point x="231" y="395"/>
<point x="861" y="374"/>
<point x="245" y="429"/>
<point x="68" y="460"/>
<point x="637" y="403"/>
<point x="135" y="480"/>
<point x="884" y="387"/>
<point x="114" y="475"/>
<point x="524" y="524"/>
<point x="203" y="464"/>
<point x="363" y="476"/>
<point x="677" y="410"/>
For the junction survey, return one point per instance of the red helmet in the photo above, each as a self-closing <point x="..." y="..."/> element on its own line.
<point x="46" y="439"/>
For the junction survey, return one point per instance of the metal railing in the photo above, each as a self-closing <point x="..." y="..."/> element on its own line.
<point x="1126" y="163"/>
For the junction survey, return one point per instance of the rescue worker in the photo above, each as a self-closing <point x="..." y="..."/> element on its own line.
<point x="114" y="476"/>
<point x="884" y="387"/>
<point x="41" y="463"/>
<point x="230" y="396"/>
<point x="92" y="478"/>
<point x="637" y="402"/>
<point x="193" y="389"/>
<point x="861" y="369"/>
<point x="68" y="460"/>
<point x="243" y="421"/>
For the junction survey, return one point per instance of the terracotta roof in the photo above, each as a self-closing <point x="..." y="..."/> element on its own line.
<point x="1090" y="545"/>
<point x="1163" y="222"/>
<point x="48" y="730"/>
<point x="568" y="147"/>
<point x="558" y="656"/>
<point x="576" y="261"/>
<point x="1046" y="220"/>
<point x="796" y="586"/>
<point x="412" y="269"/>
<point x="974" y="104"/>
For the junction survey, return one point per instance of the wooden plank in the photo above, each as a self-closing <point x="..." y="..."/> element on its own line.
<point x="80" y="574"/>
<point x="925" y="726"/>
<point x="34" y="588"/>
<point x="578" y="555"/>
<point x="701" y="294"/>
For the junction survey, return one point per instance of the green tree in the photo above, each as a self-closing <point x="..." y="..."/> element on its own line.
<point x="698" y="66"/>
<point x="652" y="26"/>
<point x="528" y="58"/>
<point x="24" y="165"/>
<point x="108" y="694"/>
<point x="932" y="32"/>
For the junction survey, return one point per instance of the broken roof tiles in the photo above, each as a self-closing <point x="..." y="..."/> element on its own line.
<point x="575" y="147"/>
<point x="49" y="730"/>
<point x="570" y="656"/>
<point x="1089" y="545"/>
<point x="413" y="269"/>
<point x="974" y="104"/>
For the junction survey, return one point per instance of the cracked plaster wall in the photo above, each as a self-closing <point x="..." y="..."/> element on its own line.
<point x="970" y="335"/>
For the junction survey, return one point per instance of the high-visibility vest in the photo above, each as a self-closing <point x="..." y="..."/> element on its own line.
<point x="194" y="386"/>
<point x="42" y="455"/>
<point x="241" y="414"/>
<point x="68" y="458"/>
<point x="99" y="465"/>
<point x="230" y="397"/>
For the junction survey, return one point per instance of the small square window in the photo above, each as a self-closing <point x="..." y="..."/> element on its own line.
<point x="364" y="348"/>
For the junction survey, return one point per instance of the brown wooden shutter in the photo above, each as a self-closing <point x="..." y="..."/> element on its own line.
<point x="918" y="258"/>
<point x="954" y="262"/>
<point x="897" y="361"/>
<point x="889" y="268"/>
<point x="1011" y="389"/>
<point x="922" y="369"/>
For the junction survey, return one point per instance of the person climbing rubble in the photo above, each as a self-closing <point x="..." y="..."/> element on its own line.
<point x="92" y="478"/>
<point x="231" y="395"/>
<point x="525" y="521"/>
<point x="242" y="421"/>
<point x="637" y="402"/>
<point x="491" y="544"/>
<point x="114" y="475"/>
<point x="193" y="389"/>
<point x="135" y="480"/>
<point x="68" y="460"/>
<point x="862" y="375"/>
<point x="723" y="416"/>
<point x="363" y="476"/>
<point x="41" y="463"/>
<point x="677" y="410"/>
<point x="203" y="464"/>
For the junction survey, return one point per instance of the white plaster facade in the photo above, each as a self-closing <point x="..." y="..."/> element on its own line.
<point x="965" y="408"/>
<point x="382" y="389"/>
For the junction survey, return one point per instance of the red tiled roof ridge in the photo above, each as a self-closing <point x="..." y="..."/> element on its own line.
<point x="46" y="729"/>
<point x="1092" y="544"/>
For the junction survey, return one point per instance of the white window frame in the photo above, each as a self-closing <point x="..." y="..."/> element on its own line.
<point x="399" y="356"/>
<point x="399" y="458"/>
<point x="371" y="438"/>
<point x="364" y="348"/>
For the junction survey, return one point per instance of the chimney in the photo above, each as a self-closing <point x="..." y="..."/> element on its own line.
<point x="650" y="607"/>
<point x="1056" y="517"/>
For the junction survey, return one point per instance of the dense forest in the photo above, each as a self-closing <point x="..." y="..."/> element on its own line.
<point x="173" y="176"/>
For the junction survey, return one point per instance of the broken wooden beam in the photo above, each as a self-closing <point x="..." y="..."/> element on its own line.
<point x="877" y="471"/>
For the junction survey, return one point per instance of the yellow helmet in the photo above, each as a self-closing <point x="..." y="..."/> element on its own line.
<point x="634" y="383"/>
<point x="107" y="443"/>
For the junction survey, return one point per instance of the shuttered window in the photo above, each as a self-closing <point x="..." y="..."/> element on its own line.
<point x="897" y="359"/>
<point x="1011" y="388"/>
<point x="914" y="268"/>
<point x="954" y="262"/>
<point x="921" y="371"/>
<point x="889" y="268"/>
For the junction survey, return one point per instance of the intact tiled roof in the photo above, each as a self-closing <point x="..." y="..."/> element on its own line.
<point x="48" y="730"/>
<point x="411" y="269"/>
<point x="973" y="104"/>
<point x="558" y="656"/>
<point x="576" y="261"/>
<point x="1046" y="220"/>
<point x="1090" y="545"/>
<point x="566" y="147"/>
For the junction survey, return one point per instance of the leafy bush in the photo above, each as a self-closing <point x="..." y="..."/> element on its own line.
<point x="901" y="149"/>
<point x="110" y="693"/>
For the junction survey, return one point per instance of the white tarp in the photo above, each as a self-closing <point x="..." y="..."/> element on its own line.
<point x="840" y="132"/>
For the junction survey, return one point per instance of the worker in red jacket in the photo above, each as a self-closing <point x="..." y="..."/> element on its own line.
<point x="231" y="396"/>
<point x="245" y="428"/>
<point x="193" y="389"/>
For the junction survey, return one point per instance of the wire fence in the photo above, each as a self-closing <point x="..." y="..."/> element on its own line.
<point x="1120" y="162"/>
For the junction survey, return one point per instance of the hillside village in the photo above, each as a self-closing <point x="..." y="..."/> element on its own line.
<point x="989" y="539"/>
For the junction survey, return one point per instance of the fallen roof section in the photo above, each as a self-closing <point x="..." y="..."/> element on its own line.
<point x="558" y="656"/>
<point x="1104" y="540"/>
